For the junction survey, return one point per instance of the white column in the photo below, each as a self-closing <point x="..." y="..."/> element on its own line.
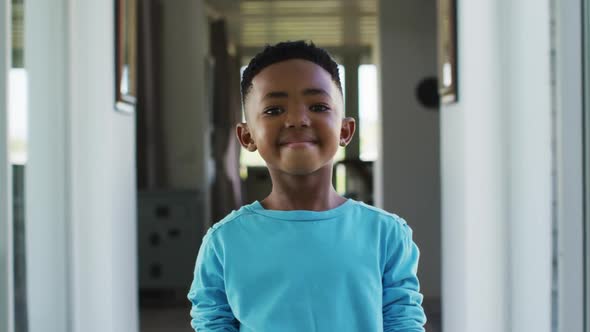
<point x="81" y="192"/>
<point x="104" y="291"/>
<point x="474" y="181"/>
<point x="47" y="233"/>
<point x="496" y="149"/>
<point x="529" y="102"/>
<point x="6" y="221"/>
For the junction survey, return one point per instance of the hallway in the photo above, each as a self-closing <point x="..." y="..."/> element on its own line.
<point x="118" y="151"/>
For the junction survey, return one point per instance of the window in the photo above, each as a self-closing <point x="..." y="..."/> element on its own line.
<point x="17" y="89"/>
<point x="368" y="122"/>
<point x="17" y="115"/>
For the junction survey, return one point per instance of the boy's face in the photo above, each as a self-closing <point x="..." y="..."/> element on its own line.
<point x="294" y="114"/>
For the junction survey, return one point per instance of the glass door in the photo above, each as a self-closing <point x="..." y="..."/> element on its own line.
<point x="13" y="151"/>
<point x="17" y="129"/>
<point x="6" y="253"/>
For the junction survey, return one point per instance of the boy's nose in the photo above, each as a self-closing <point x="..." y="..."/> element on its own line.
<point x="297" y="118"/>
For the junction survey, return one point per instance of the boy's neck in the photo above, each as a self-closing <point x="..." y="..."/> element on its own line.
<point x="313" y="192"/>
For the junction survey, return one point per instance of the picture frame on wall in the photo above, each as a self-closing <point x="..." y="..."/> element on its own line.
<point x="125" y="55"/>
<point x="447" y="51"/>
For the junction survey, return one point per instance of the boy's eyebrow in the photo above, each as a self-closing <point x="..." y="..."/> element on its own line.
<point x="316" y="91"/>
<point x="275" y="94"/>
<point x="306" y="92"/>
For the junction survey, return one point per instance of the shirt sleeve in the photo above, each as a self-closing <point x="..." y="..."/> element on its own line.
<point x="210" y="309"/>
<point x="402" y="301"/>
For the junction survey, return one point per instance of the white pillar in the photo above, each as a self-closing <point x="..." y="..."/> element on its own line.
<point x="496" y="150"/>
<point x="529" y="97"/>
<point x="47" y="236"/>
<point x="80" y="188"/>
<point x="103" y="208"/>
<point x="474" y="181"/>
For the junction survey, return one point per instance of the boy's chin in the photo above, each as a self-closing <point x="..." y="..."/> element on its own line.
<point x="302" y="169"/>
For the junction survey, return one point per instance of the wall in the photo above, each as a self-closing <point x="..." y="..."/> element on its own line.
<point x="184" y="90"/>
<point x="81" y="205"/>
<point x="496" y="164"/>
<point x="407" y="177"/>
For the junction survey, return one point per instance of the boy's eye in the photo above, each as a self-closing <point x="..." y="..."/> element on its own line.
<point x="273" y="110"/>
<point x="319" y="108"/>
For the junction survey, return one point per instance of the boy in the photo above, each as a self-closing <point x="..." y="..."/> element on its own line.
<point x="303" y="259"/>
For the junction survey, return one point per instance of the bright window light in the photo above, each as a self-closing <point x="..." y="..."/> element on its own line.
<point x="17" y="115"/>
<point x="368" y="112"/>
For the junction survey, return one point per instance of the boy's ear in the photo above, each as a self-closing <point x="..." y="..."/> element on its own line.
<point x="347" y="131"/>
<point x="245" y="137"/>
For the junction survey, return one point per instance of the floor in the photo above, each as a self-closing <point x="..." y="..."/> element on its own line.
<point x="173" y="319"/>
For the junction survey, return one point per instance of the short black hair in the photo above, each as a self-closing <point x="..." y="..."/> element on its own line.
<point x="286" y="51"/>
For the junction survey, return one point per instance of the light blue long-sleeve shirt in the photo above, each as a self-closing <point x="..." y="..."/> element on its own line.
<point x="351" y="268"/>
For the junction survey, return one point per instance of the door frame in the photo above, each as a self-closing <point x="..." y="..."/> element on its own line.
<point x="6" y="224"/>
<point x="568" y="253"/>
<point x="586" y="152"/>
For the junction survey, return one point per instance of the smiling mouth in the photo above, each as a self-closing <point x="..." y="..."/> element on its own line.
<point x="301" y="144"/>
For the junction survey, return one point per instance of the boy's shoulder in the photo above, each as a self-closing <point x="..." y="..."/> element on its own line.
<point x="381" y="213"/>
<point x="367" y="212"/>
<point x="391" y="223"/>
<point x="384" y="216"/>
<point x="233" y="217"/>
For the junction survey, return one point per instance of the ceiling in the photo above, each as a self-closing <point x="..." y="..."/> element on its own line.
<point x="328" y="23"/>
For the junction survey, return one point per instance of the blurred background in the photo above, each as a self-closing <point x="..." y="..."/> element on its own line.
<point x="118" y="151"/>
